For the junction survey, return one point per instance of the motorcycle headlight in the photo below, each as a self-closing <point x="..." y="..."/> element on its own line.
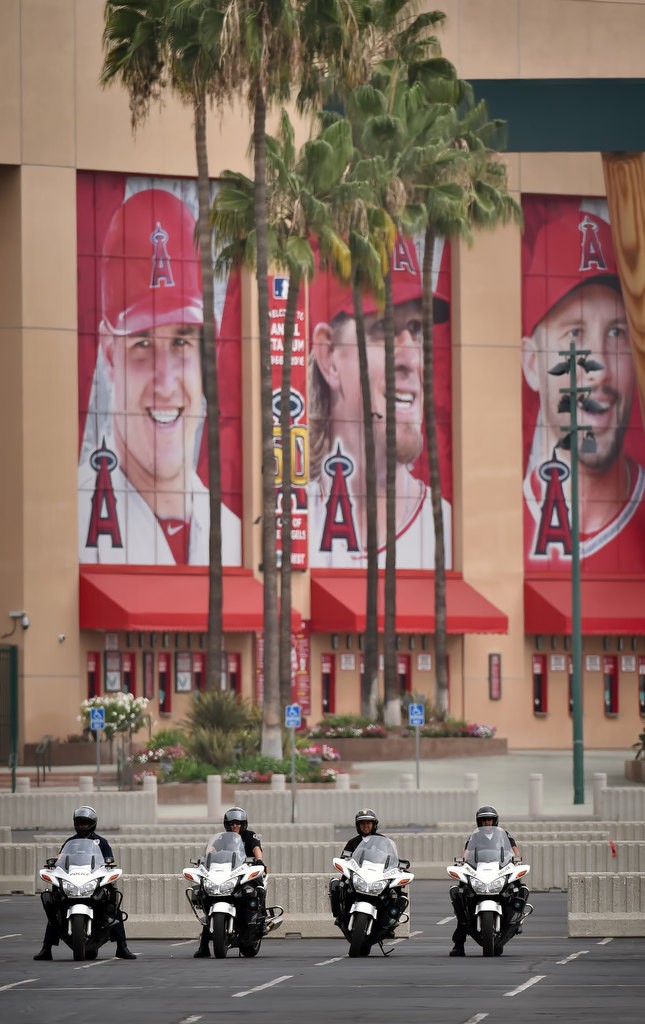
<point x="361" y="885"/>
<point x="79" y="890"/>
<point x="478" y="886"/>
<point x="220" y="889"/>
<point x="497" y="884"/>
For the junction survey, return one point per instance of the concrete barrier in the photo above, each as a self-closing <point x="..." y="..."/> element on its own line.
<point x="622" y="803"/>
<point x="395" y="806"/>
<point x="270" y="832"/>
<point x="606" y="904"/>
<point x="5" y="834"/>
<point x="50" y="809"/>
<point x="17" y="868"/>
<point x="536" y="827"/>
<point x="158" y="908"/>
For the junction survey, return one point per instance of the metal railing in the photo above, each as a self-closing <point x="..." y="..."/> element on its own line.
<point x="43" y="758"/>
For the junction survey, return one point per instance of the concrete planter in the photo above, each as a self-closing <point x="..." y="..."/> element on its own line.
<point x="68" y="753"/>
<point x="635" y="770"/>
<point x="399" y="748"/>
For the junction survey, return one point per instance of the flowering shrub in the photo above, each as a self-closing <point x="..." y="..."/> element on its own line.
<point x="156" y="755"/>
<point x="334" y="732"/>
<point x="123" y="712"/>
<point x="322" y="750"/>
<point x="483" y="732"/>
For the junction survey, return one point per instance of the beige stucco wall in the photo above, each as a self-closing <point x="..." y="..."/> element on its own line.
<point x="54" y="119"/>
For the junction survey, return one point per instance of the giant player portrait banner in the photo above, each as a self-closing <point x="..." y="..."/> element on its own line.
<point x="337" y="489"/>
<point x="143" y="460"/>
<point x="571" y="293"/>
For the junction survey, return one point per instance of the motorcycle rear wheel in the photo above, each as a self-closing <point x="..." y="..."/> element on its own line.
<point x="78" y="937"/>
<point x="358" y="939"/>
<point x="487" y="919"/>
<point x="219" y="932"/>
<point x="251" y="949"/>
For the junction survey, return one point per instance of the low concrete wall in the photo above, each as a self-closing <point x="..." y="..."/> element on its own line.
<point x="401" y="748"/>
<point x="5" y="834"/>
<point x="622" y="803"/>
<point x="158" y="908"/>
<point x="616" y="829"/>
<point x="270" y="832"/>
<point x="48" y="809"/>
<point x="635" y="770"/>
<point x="17" y="868"/>
<point x="606" y="904"/>
<point x="395" y="806"/>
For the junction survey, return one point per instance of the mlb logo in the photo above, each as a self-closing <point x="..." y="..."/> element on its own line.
<point x="280" y="287"/>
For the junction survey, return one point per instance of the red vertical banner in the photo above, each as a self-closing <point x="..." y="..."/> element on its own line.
<point x="301" y="668"/>
<point x="298" y="440"/>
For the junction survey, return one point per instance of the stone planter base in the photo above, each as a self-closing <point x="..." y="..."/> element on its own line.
<point x="399" y="748"/>
<point x="67" y="753"/>
<point x="635" y="770"/>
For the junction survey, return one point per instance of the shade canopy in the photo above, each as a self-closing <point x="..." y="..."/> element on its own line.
<point x="607" y="606"/>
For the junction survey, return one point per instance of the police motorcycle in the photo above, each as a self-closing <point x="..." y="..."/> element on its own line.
<point x="372" y="902"/>
<point x="82" y="904"/>
<point x="228" y="896"/>
<point x="490" y="893"/>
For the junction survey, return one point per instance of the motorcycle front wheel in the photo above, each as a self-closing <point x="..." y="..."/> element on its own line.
<point x="358" y="938"/>
<point x="487" y="920"/>
<point x="219" y="932"/>
<point x="78" y="937"/>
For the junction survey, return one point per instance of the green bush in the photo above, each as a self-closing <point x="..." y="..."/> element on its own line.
<point x="189" y="769"/>
<point x="220" y="729"/>
<point x="167" y="738"/>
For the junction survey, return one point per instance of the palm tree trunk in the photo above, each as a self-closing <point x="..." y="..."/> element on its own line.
<point x="271" y="725"/>
<point x="369" y="679"/>
<point x="392" y="704"/>
<point x="211" y="391"/>
<point x="285" y="427"/>
<point x="440" y="642"/>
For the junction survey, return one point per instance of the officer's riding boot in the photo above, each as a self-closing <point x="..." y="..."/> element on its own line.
<point x="203" y="949"/>
<point x="45" y="953"/>
<point x="124" y="953"/>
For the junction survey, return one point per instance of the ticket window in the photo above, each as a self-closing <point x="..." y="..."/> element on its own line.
<point x="404" y="674"/>
<point x="540" y="685"/>
<point x="328" y="680"/>
<point x="164" y="683"/>
<point x="113" y="672"/>
<point x="128" y="663"/>
<point x="94" y="674"/>
<point x="641" y="686"/>
<point x="234" y="673"/>
<point x="610" y="683"/>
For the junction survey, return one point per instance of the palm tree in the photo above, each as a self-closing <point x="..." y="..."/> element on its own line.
<point x="147" y="43"/>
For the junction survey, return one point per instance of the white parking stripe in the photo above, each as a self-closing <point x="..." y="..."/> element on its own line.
<point x="573" y="956"/>
<point x="13" y="935"/>
<point x="476" y="1019"/>
<point x="15" y="984"/>
<point x="258" y="988"/>
<point x="334" y="960"/>
<point x="603" y="942"/>
<point x="527" y="984"/>
<point x="446" y="920"/>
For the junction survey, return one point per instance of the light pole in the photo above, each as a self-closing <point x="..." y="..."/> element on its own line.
<point x="572" y="397"/>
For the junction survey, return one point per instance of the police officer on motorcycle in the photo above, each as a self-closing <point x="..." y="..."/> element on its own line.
<point x="486" y="816"/>
<point x="85" y="822"/>
<point x="235" y="820"/>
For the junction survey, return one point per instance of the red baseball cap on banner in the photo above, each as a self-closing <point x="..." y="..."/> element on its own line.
<point x="150" y="270"/>
<point x="572" y="249"/>
<point x="328" y="296"/>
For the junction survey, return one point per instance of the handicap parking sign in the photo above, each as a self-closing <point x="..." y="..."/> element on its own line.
<point x="292" y="718"/>
<point x="97" y="718"/>
<point x="416" y="714"/>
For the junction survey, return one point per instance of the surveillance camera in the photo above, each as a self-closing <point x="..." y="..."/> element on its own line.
<point x="24" y="622"/>
<point x="61" y="638"/>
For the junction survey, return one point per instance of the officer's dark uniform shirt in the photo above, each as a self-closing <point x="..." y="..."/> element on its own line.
<point x="104" y="846"/>
<point x="352" y="843"/>
<point x="251" y="840"/>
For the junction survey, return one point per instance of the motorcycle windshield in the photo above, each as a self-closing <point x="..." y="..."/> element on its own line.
<point x="225" y="848"/>
<point x="80" y="853"/>
<point x="488" y="845"/>
<point x="377" y="850"/>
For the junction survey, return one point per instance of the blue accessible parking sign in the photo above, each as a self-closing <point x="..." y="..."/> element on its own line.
<point x="416" y="714"/>
<point x="292" y="717"/>
<point x="97" y="718"/>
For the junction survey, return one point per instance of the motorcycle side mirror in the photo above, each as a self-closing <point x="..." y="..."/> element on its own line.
<point x="50" y="862"/>
<point x="110" y="862"/>
<point x="458" y="861"/>
<point x="194" y="861"/>
<point x="405" y="864"/>
<point x="517" y="860"/>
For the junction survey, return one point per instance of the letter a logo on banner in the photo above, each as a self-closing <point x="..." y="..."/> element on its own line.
<point x="554" y="527"/>
<point x="339" y="515"/>
<point x="103" y="517"/>
<point x="591" y="254"/>
<point x="161" y="269"/>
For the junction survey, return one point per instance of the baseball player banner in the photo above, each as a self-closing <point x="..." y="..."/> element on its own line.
<point x="571" y="293"/>
<point x="299" y="439"/>
<point x="337" y="490"/>
<point x="143" y="461"/>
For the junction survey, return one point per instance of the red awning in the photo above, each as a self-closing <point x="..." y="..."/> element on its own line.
<point x="167" y="599"/>
<point x="338" y="605"/>
<point x="607" y="606"/>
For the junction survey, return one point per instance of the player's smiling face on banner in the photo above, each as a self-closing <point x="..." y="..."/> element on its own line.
<point x="408" y="361"/>
<point x="158" y="400"/>
<point x="594" y="318"/>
